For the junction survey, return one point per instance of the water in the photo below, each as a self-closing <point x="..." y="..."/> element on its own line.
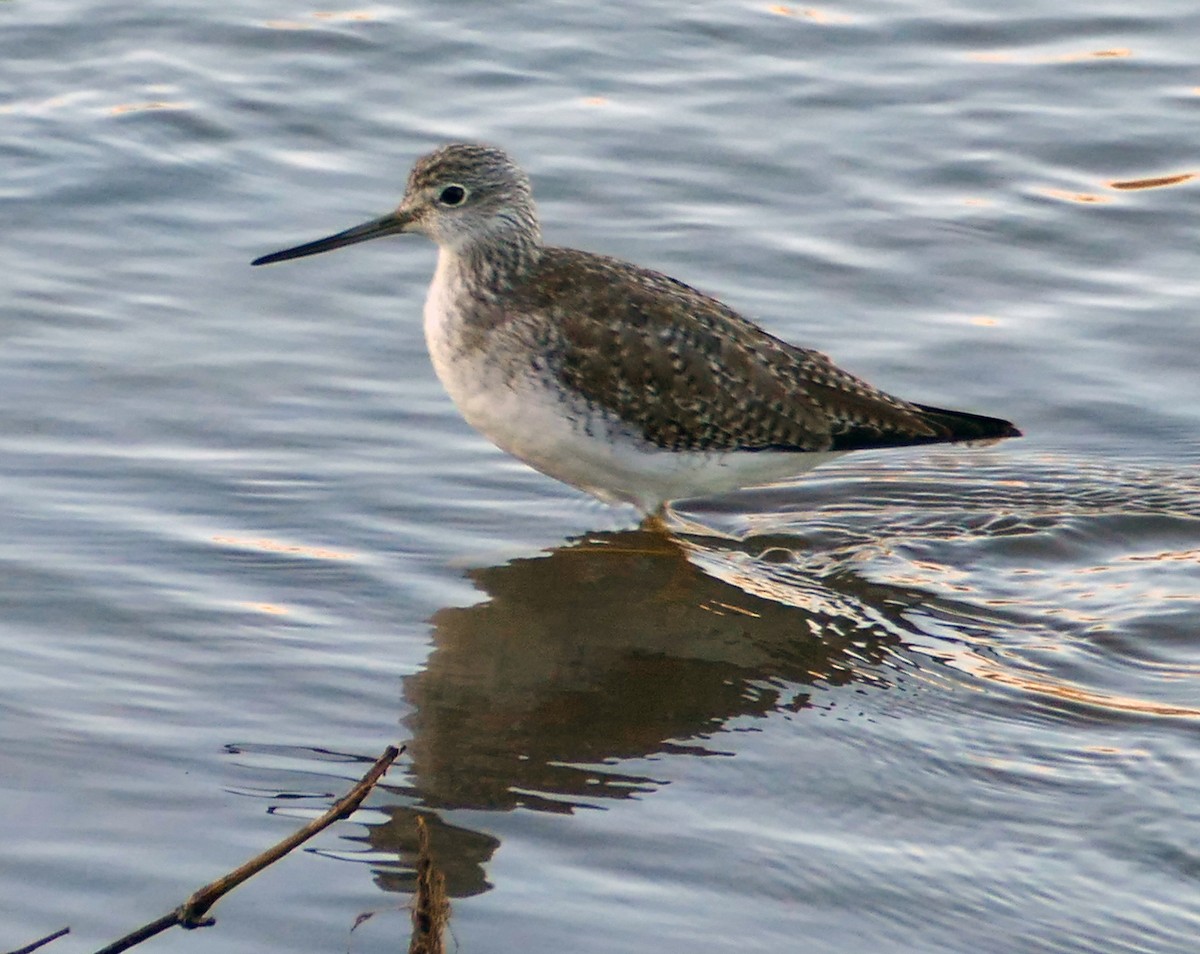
<point x="935" y="700"/>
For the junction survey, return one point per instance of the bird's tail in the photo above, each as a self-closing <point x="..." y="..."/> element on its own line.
<point x="962" y="426"/>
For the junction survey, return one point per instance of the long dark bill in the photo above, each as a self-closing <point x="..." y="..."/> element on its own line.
<point x="388" y="224"/>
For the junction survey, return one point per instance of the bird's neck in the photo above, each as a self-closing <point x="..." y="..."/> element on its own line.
<point x="488" y="265"/>
<point x="466" y="302"/>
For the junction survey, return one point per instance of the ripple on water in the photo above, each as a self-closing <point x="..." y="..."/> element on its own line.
<point x="1073" y="582"/>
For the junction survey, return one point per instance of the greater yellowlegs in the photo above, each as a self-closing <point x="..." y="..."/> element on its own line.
<point x="613" y="378"/>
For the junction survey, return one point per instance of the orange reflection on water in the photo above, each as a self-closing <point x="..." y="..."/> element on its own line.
<point x="277" y="546"/>
<point x="1088" y="198"/>
<point x="809" y="13"/>
<point x="1007" y="56"/>
<point x="354" y="15"/>
<point x="122" y="108"/>
<point x="1157" y="182"/>
<point x="1166" y="556"/>
<point x="36" y="107"/>
<point x="273" y="609"/>
<point x="1114" y="750"/>
<point x="716" y="606"/>
<point x="1117" y="53"/>
<point x="992" y="671"/>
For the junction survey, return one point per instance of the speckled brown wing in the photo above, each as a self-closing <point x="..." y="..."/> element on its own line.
<point x="689" y="373"/>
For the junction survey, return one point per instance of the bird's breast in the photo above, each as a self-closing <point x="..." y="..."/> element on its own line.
<point x="486" y="372"/>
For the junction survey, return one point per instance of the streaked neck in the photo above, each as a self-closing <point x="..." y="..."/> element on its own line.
<point x="489" y="265"/>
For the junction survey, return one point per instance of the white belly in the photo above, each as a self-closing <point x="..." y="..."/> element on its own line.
<point x="529" y="417"/>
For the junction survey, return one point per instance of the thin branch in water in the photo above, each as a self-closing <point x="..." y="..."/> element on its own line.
<point x="30" y="948"/>
<point x="193" y="913"/>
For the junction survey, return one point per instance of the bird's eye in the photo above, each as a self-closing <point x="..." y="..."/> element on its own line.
<point x="453" y="195"/>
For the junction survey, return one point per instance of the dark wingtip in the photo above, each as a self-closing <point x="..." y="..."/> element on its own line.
<point x="942" y="427"/>
<point x="964" y="426"/>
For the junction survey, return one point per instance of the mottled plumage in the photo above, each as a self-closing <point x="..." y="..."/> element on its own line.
<point x="636" y="387"/>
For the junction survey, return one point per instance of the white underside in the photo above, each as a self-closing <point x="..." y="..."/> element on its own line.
<point x="523" y="415"/>
<point x="529" y="423"/>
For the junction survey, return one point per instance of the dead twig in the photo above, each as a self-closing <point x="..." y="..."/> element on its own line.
<point x="193" y="912"/>
<point x="30" y="948"/>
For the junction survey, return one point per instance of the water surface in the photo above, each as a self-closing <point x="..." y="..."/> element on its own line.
<point x="939" y="699"/>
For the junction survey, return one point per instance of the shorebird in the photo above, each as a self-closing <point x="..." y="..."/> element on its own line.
<point x="613" y="378"/>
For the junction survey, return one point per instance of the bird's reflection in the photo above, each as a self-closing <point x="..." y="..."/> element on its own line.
<point x="617" y="646"/>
